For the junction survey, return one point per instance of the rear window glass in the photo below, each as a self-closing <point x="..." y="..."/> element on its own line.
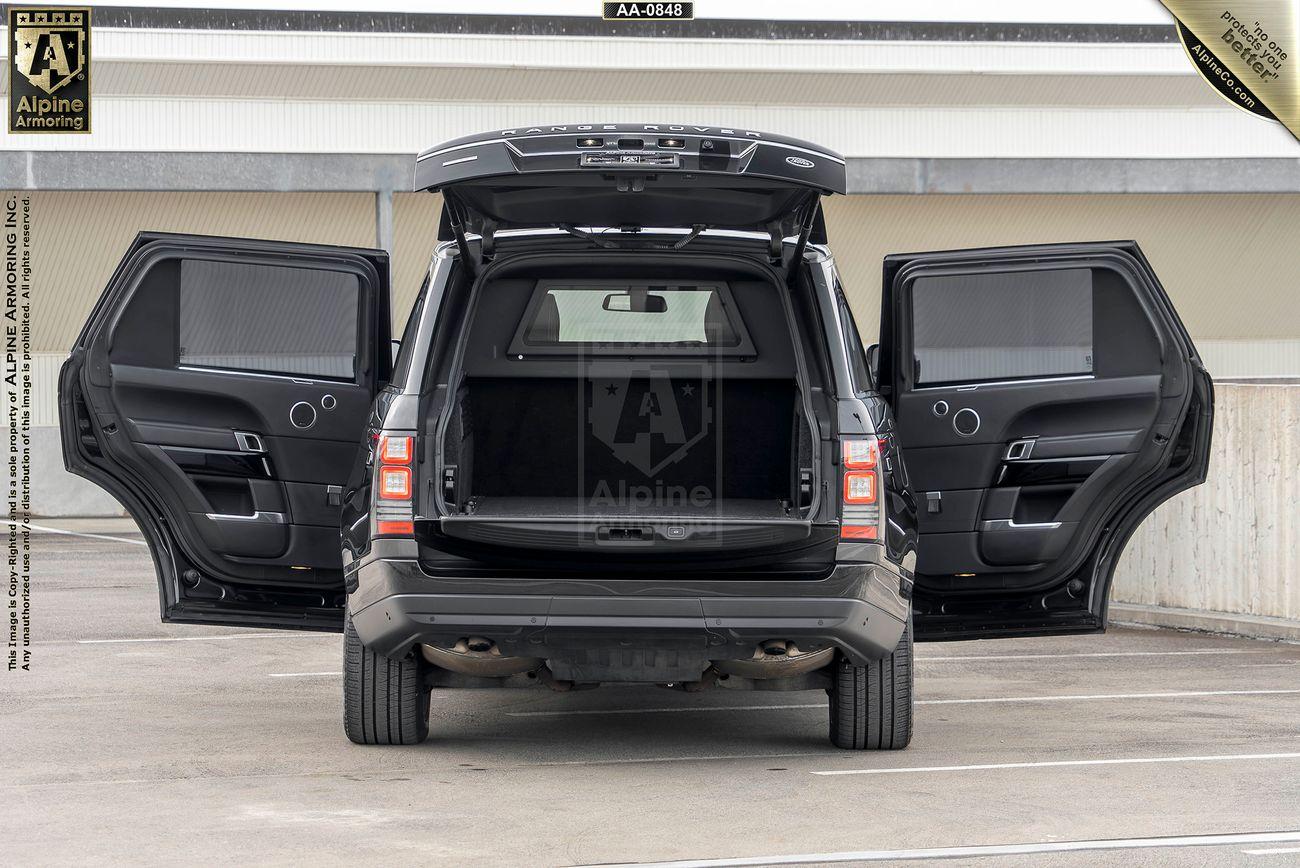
<point x="1011" y="325"/>
<point x="630" y="316"/>
<point x="253" y="317"/>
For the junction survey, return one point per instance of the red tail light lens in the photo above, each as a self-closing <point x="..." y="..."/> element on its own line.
<point x="394" y="528"/>
<point x="395" y="450"/>
<point x="861" y="515"/>
<point x="395" y="483"/>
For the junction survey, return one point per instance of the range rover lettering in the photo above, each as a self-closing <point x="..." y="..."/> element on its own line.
<point x="631" y="433"/>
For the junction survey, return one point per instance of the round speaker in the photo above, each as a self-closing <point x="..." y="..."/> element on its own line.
<point x="328" y="402"/>
<point x="302" y="415"/>
<point x="940" y="408"/>
<point x="966" y="422"/>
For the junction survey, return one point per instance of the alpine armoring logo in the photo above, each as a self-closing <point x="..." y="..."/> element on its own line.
<point x="49" y="70"/>
<point x="649" y="420"/>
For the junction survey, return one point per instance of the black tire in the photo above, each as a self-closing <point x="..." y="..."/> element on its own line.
<point x="384" y="700"/>
<point x="871" y="706"/>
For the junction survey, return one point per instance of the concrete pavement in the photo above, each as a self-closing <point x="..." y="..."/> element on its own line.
<point x="138" y="742"/>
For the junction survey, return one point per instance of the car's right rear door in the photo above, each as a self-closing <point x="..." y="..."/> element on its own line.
<point x="1047" y="399"/>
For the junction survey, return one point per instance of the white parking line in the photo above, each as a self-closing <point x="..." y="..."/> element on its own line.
<point x="47" y="529"/>
<point x="1083" y="697"/>
<point x="1122" y="761"/>
<point x="646" y="760"/>
<point x="974" y="852"/>
<point x="989" y="700"/>
<point x="302" y="674"/>
<point x="973" y="657"/>
<point x="201" y="638"/>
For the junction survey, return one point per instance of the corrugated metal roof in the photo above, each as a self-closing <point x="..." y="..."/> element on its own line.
<point x="226" y="124"/>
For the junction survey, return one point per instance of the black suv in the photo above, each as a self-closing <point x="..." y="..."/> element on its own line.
<point x="631" y="433"/>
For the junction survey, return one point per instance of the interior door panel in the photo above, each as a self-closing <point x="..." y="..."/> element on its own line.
<point x="1040" y="394"/>
<point x="1026" y="521"/>
<point x="195" y="395"/>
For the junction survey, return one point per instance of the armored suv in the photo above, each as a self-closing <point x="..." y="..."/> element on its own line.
<point x="631" y="433"/>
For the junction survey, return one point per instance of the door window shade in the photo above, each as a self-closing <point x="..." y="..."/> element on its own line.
<point x="277" y="319"/>
<point x="970" y="328"/>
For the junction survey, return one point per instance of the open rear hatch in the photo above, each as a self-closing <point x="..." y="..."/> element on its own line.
<point x="645" y="400"/>
<point x="630" y="175"/>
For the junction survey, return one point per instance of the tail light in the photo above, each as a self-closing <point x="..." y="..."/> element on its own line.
<point x="394" y="486"/>
<point x="861" y="514"/>
<point x="395" y="483"/>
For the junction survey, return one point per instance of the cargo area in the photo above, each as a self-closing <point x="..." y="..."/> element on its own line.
<point x="545" y="446"/>
<point x="636" y="392"/>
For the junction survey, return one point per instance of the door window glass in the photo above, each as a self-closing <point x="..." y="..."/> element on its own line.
<point x="969" y="328"/>
<point x="858" y="367"/>
<point x="277" y="319"/>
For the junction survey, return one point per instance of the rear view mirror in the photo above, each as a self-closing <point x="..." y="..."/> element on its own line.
<point x="873" y="364"/>
<point x="635" y="301"/>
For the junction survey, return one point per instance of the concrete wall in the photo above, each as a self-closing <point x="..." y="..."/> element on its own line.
<point x="1231" y="545"/>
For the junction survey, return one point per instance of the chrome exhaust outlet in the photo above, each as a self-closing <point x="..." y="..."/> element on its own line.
<point x="478" y="656"/>
<point x="776" y="658"/>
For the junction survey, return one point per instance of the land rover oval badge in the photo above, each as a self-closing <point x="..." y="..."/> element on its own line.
<point x="800" y="162"/>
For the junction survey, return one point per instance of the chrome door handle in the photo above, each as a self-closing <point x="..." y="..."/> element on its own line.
<point x="250" y="442"/>
<point x="1019" y="450"/>
<point x="259" y="516"/>
<point x="1010" y="524"/>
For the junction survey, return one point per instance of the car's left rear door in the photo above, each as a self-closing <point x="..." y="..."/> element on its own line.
<point x="220" y="390"/>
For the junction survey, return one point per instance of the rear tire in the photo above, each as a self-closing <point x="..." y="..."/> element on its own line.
<point x="871" y="706"/>
<point x="384" y="700"/>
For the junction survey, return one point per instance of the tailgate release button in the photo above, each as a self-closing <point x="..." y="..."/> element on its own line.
<point x="675" y="531"/>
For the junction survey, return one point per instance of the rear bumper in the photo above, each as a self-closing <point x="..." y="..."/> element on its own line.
<point x="857" y="609"/>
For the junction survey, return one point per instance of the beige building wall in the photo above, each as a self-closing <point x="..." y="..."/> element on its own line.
<point x="1227" y="261"/>
<point x="415" y="233"/>
<point x="78" y="238"/>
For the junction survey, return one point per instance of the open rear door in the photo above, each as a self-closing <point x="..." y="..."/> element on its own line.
<point x="1047" y="400"/>
<point x="219" y="391"/>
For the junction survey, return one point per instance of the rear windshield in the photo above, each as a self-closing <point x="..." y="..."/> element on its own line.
<point x="626" y="316"/>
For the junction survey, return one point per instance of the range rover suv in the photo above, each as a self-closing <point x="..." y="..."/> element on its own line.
<point x="631" y="433"/>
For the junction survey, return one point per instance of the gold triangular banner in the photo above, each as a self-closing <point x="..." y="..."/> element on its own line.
<point x="1247" y="51"/>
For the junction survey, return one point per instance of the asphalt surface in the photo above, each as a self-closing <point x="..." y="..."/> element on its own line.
<point x="137" y="742"/>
